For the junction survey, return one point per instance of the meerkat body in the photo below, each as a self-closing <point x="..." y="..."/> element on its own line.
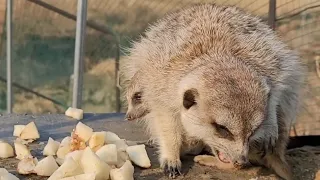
<point x="217" y="75"/>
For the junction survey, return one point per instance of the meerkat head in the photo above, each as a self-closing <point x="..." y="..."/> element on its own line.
<point x="137" y="107"/>
<point x="223" y="107"/>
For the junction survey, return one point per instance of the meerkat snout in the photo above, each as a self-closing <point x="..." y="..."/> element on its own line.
<point x="137" y="109"/>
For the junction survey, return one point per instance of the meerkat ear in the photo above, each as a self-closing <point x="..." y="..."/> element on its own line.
<point x="189" y="98"/>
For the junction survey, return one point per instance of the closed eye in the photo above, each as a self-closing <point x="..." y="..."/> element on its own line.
<point x="136" y="99"/>
<point x="223" y="132"/>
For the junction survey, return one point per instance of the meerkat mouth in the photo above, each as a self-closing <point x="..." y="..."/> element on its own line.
<point x="222" y="157"/>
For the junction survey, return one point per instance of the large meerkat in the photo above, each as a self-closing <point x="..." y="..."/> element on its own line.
<point x="219" y="75"/>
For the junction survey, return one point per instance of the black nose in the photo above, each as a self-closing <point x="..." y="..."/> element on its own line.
<point x="242" y="161"/>
<point x="128" y="118"/>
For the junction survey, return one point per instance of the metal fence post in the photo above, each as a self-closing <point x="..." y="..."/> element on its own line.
<point x="79" y="53"/>
<point x="9" y="55"/>
<point x="272" y="14"/>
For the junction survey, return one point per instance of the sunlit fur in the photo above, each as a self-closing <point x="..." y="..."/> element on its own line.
<point x="242" y="75"/>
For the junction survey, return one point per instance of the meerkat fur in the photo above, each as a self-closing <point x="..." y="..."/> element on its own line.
<point x="219" y="75"/>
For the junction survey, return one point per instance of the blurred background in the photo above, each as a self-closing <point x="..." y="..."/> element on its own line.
<point x="44" y="44"/>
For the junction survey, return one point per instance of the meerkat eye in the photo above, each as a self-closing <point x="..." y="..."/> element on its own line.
<point x="137" y="97"/>
<point x="223" y="132"/>
<point x="189" y="98"/>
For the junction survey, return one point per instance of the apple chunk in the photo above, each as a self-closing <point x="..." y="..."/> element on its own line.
<point x="74" y="113"/>
<point x="30" y="131"/>
<point x="27" y="165"/>
<point x="21" y="150"/>
<point x="51" y="148"/>
<point x="138" y="155"/>
<point x="46" y="166"/>
<point x="6" y="150"/>
<point x="123" y="173"/>
<point x="108" y="153"/>
<point x="17" y="129"/>
<point x="96" y="141"/>
<point x="83" y="131"/>
<point x="67" y="169"/>
<point x="91" y="163"/>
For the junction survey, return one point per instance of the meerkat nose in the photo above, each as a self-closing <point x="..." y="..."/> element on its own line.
<point x="128" y="118"/>
<point x="242" y="161"/>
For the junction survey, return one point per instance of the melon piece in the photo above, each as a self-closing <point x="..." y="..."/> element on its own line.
<point x="24" y="141"/>
<point x="27" y="165"/>
<point x="5" y="175"/>
<point x="138" y="155"/>
<point x="123" y="173"/>
<point x="65" y="141"/>
<point x="64" y="148"/>
<point x="122" y="158"/>
<point x="89" y="176"/>
<point x="17" y="129"/>
<point x="121" y="144"/>
<point x="83" y="131"/>
<point x="108" y="153"/>
<point x="96" y="141"/>
<point x="6" y="150"/>
<point x="60" y="161"/>
<point x="110" y="137"/>
<point x="76" y="142"/>
<point x="30" y="131"/>
<point x="67" y="169"/>
<point x="51" y="148"/>
<point x="76" y="155"/>
<point x="131" y="143"/>
<point x="91" y="163"/>
<point x="46" y="167"/>
<point x="21" y="151"/>
<point x="74" y="113"/>
<point x="63" y="151"/>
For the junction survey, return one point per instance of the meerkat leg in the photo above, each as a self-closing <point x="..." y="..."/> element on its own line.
<point x="286" y="114"/>
<point x="169" y="139"/>
<point x="277" y="160"/>
<point x="266" y="136"/>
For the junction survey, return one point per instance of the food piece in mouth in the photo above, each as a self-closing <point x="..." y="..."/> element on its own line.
<point x="208" y="160"/>
<point x="222" y="157"/>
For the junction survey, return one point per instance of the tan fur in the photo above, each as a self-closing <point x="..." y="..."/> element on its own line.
<point x="236" y="73"/>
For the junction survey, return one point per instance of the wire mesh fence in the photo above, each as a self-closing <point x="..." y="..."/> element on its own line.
<point x="44" y="44"/>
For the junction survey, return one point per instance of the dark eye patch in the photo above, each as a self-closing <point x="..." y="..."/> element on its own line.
<point x="223" y="132"/>
<point x="136" y="99"/>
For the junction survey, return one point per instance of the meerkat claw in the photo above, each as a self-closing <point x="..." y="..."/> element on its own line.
<point x="172" y="171"/>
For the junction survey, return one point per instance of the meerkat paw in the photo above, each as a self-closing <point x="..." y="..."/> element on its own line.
<point x="151" y="142"/>
<point x="270" y="141"/>
<point x="265" y="139"/>
<point x="171" y="167"/>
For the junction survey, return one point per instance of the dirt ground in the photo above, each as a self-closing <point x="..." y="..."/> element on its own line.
<point x="305" y="161"/>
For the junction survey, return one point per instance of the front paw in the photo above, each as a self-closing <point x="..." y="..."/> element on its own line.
<point x="171" y="167"/>
<point x="265" y="139"/>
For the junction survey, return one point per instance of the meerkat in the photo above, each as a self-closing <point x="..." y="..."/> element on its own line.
<point x="219" y="75"/>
